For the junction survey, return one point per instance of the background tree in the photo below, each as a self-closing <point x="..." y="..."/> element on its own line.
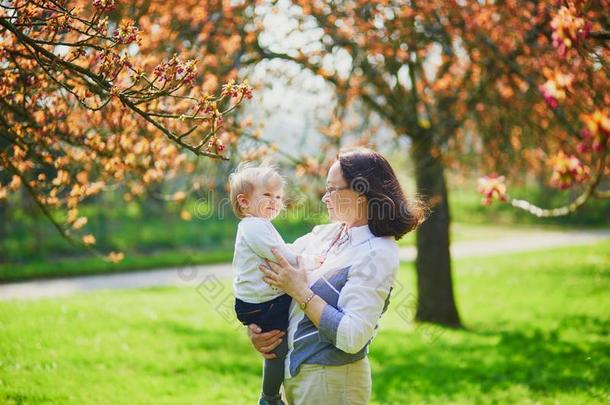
<point x="442" y="74"/>
<point x="96" y="95"/>
<point x="547" y="110"/>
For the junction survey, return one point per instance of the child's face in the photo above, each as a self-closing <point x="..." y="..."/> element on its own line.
<point x="266" y="200"/>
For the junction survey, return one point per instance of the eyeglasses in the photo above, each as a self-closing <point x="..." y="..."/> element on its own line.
<point x="330" y="190"/>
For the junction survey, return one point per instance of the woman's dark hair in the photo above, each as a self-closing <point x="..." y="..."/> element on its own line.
<point x="389" y="212"/>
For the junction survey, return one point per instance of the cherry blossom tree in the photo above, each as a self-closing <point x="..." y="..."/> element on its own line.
<point x="508" y="84"/>
<point x="555" y="78"/>
<point x="99" y="94"/>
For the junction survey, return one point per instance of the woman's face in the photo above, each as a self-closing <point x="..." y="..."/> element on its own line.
<point x="341" y="201"/>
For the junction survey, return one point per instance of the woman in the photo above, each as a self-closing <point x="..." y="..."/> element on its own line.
<point x="335" y="309"/>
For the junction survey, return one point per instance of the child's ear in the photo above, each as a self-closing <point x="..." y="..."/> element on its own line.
<point x="242" y="201"/>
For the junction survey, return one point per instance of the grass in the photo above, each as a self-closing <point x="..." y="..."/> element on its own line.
<point x="465" y="205"/>
<point x="87" y="265"/>
<point x="188" y="256"/>
<point x="537" y="330"/>
<point x="154" y="237"/>
<point x="136" y="229"/>
<point x="467" y="232"/>
<point x="180" y="243"/>
<point x="147" y="241"/>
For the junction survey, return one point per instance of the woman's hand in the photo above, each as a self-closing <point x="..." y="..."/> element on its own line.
<point x="283" y="275"/>
<point x="265" y="342"/>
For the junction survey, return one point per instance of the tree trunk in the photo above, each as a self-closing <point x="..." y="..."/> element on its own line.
<point x="3" y="225"/>
<point x="435" y="288"/>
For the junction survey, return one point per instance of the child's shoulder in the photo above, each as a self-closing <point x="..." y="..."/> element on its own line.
<point x="246" y="220"/>
<point x="325" y="230"/>
<point x="254" y="224"/>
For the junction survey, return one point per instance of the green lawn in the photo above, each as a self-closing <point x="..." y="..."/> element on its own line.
<point x="156" y="237"/>
<point x="537" y="331"/>
<point x="151" y="242"/>
<point x="467" y="232"/>
<point x="89" y="265"/>
<point x="179" y="256"/>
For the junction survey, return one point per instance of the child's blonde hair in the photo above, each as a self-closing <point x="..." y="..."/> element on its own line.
<point x="245" y="178"/>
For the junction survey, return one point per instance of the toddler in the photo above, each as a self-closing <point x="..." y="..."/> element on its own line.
<point x="257" y="198"/>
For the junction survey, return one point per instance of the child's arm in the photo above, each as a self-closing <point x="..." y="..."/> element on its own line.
<point x="300" y="244"/>
<point x="261" y="237"/>
<point x="311" y="262"/>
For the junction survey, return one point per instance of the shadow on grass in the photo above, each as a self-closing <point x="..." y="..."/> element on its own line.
<point x="31" y="398"/>
<point x="542" y="361"/>
<point x="218" y="350"/>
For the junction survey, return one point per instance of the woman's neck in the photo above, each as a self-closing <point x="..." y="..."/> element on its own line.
<point x="355" y="223"/>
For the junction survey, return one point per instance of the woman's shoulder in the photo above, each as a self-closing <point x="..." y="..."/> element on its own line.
<point x="386" y="243"/>
<point x="383" y="249"/>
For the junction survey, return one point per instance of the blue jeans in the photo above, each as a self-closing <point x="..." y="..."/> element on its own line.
<point x="268" y="315"/>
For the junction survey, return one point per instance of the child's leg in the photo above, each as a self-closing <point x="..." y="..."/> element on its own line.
<point x="273" y="373"/>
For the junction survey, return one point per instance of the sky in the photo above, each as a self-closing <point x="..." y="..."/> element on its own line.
<point x="292" y="103"/>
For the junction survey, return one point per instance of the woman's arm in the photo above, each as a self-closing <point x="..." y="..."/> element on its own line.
<point x="362" y="300"/>
<point x="294" y="283"/>
<point x="350" y="325"/>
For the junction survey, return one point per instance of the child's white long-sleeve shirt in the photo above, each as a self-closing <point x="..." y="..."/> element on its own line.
<point x="253" y="243"/>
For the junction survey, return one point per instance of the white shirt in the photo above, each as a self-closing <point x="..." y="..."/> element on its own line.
<point x="355" y="280"/>
<point x="253" y="243"/>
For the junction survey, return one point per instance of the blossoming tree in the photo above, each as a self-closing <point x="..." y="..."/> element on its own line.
<point x="563" y="58"/>
<point x="508" y="84"/>
<point x="96" y="94"/>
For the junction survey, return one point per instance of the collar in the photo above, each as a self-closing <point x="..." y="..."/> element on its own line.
<point x="253" y="218"/>
<point x="359" y="234"/>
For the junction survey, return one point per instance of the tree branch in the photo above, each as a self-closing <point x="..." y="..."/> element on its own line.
<point x="589" y="192"/>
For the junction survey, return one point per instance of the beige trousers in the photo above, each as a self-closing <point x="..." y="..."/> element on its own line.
<point x="315" y="384"/>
